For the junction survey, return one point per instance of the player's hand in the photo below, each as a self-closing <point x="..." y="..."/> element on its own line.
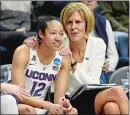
<point x="67" y="106"/>
<point x="32" y="42"/>
<point x="55" y="109"/>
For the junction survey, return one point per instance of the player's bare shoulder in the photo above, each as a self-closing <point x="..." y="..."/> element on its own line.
<point x="22" y="48"/>
<point x="22" y="53"/>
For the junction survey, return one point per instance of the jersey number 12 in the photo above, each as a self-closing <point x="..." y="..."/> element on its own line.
<point x="37" y="92"/>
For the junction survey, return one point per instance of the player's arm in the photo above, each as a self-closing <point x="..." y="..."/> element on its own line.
<point x="20" y="60"/>
<point x="61" y="82"/>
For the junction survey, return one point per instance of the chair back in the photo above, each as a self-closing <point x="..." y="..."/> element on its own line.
<point x="5" y="73"/>
<point x="120" y="76"/>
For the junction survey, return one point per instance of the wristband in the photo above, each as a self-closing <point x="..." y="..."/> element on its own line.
<point x="72" y="64"/>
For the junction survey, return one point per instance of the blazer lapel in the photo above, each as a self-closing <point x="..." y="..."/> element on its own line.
<point x="88" y="52"/>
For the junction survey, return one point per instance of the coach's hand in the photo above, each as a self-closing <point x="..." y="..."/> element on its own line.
<point x="106" y="66"/>
<point x="32" y="42"/>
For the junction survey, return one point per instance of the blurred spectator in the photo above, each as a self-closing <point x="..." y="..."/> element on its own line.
<point x="15" y="15"/>
<point x="117" y="12"/>
<point x="15" y="23"/>
<point x="15" y="20"/>
<point x="103" y="30"/>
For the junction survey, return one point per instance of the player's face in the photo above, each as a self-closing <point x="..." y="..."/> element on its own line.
<point x="54" y="35"/>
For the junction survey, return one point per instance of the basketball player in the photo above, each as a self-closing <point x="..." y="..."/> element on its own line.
<point x="36" y="71"/>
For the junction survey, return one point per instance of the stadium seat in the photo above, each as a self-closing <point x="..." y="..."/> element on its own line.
<point x="5" y="73"/>
<point x="120" y="74"/>
<point x="121" y="77"/>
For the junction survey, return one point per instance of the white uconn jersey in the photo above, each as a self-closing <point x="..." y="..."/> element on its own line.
<point x="38" y="76"/>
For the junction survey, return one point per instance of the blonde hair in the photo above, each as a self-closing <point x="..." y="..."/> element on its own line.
<point x="84" y="12"/>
